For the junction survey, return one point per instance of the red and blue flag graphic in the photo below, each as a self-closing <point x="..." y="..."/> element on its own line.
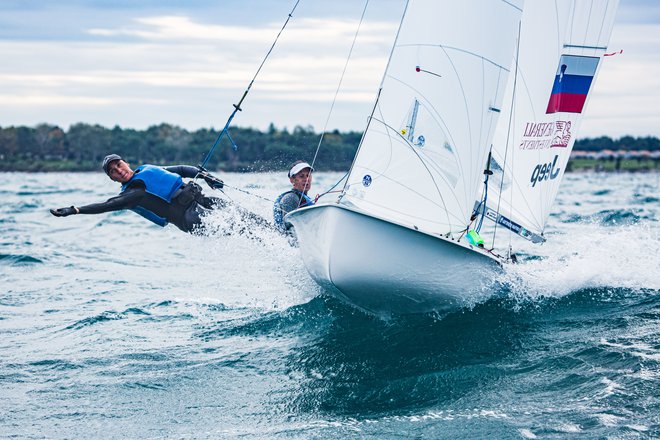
<point x="572" y="83"/>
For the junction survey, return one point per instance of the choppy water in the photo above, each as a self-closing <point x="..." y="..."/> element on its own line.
<point x="113" y="328"/>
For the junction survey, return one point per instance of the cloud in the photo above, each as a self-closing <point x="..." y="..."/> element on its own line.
<point x="28" y="100"/>
<point x="306" y="32"/>
<point x="168" y="58"/>
<point x="179" y="28"/>
<point x="147" y="67"/>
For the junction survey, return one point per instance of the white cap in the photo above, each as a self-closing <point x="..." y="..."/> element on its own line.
<point x="298" y="167"/>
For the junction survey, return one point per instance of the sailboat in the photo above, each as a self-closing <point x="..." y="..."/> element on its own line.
<point x="474" y="120"/>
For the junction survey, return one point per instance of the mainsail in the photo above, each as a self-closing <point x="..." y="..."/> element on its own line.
<point x="420" y="163"/>
<point x="561" y="48"/>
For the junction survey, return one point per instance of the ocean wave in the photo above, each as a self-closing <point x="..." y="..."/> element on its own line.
<point x="106" y="316"/>
<point x="19" y="260"/>
<point x="55" y="364"/>
<point x="596" y="257"/>
<point x="103" y="317"/>
<point x="644" y="199"/>
<point x="46" y="192"/>
<point x="609" y="217"/>
<point x="616" y="217"/>
<point x="297" y="319"/>
<point x="228" y="334"/>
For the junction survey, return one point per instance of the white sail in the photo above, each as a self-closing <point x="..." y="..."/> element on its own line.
<point x="421" y="159"/>
<point x="394" y="242"/>
<point x="561" y="49"/>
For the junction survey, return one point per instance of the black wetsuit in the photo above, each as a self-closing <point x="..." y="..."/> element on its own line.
<point x="185" y="211"/>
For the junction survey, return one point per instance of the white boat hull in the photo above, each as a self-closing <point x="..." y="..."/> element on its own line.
<point x="382" y="267"/>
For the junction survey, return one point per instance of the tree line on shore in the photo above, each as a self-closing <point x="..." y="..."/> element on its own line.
<point x="47" y="147"/>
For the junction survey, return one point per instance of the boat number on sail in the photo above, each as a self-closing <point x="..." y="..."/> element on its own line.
<point x="366" y="180"/>
<point x="544" y="171"/>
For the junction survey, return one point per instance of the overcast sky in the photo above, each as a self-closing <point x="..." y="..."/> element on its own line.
<point x="136" y="63"/>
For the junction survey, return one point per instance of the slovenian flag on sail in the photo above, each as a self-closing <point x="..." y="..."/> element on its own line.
<point x="572" y="83"/>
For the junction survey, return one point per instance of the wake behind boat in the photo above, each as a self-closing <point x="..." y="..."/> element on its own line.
<point x="473" y="90"/>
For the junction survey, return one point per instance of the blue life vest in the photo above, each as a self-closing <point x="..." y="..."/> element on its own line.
<point x="278" y="212"/>
<point x="158" y="182"/>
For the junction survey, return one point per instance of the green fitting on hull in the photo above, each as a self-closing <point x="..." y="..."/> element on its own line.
<point x="474" y="238"/>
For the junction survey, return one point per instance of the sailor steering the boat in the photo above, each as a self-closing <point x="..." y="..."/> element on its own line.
<point x="300" y="176"/>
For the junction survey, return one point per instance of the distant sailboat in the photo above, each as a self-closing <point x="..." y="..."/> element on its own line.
<point x="472" y="89"/>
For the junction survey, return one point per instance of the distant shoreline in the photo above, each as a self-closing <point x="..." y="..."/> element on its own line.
<point x="613" y="164"/>
<point x="575" y="165"/>
<point x="48" y="148"/>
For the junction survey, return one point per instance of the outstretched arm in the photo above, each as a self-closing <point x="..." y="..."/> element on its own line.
<point x="125" y="200"/>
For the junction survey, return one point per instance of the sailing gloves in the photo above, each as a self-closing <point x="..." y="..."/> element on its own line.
<point x="63" y="212"/>
<point x="211" y="180"/>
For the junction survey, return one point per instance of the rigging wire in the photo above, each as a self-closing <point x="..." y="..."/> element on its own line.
<point x="273" y="201"/>
<point x="249" y="193"/>
<point x="237" y="107"/>
<point x="377" y="101"/>
<point x="506" y="149"/>
<point x="332" y="187"/>
<point x="341" y="79"/>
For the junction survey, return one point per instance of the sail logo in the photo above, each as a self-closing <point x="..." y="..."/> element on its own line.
<point x="572" y="83"/>
<point x="543" y="135"/>
<point x="562" y="135"/>
<point x="544" y="171"/>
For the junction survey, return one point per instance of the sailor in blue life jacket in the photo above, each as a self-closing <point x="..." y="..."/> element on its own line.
<point x="300" y="176"/>
<point x="159" y="194"/>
